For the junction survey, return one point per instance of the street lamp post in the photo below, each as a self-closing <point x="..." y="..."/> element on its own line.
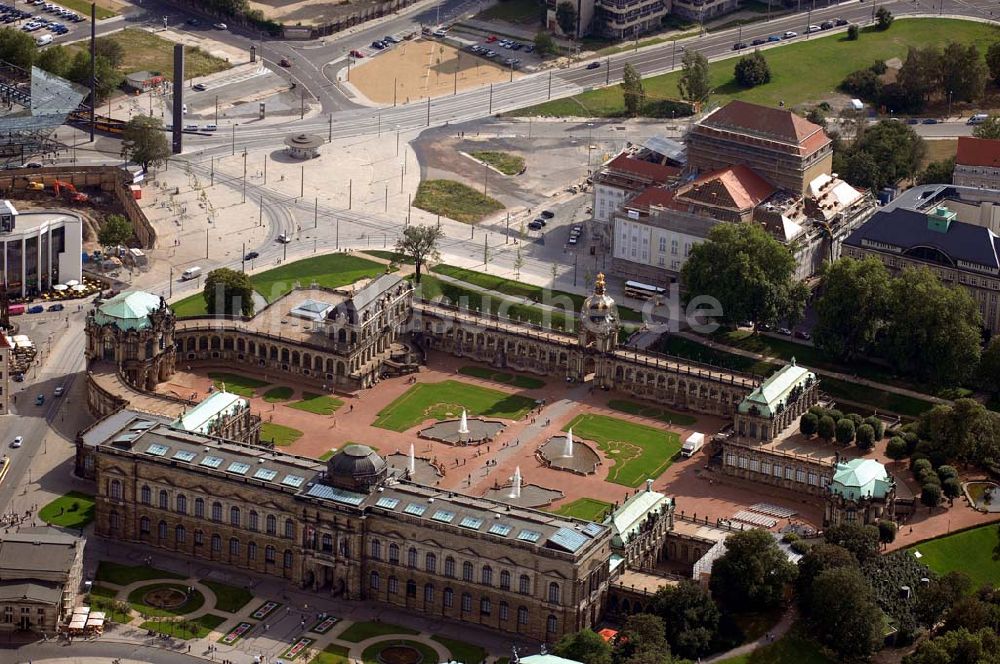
<point x="235" y="125"/>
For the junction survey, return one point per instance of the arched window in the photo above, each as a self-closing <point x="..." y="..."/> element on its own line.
<point x="467" y="571"/>
<point x="272" y="525"/>
<point x="522" y="615"/>
<point x="376" y="548"/>
<point x="287" y="559"/>
<point x="269" y="552"/>
<point x="216" y="511"/>
<point x="182" y="504"/>
<point x="216" y="543"/>
<point x="199" y="508"/>
<point x="180" y="535"/>
<point x="486" y="575"/>
<point x="550" y="625"/>
<point x="505" y="580"/>
<point x="161" y="530"/>
<point x="144" y="495"/>
<point x="144" y="525"/>
<point x="485" y="606"/>
<point x="114" y="521"/>
<point x="428" y="593"/>
<point x="431" y="563"/>
<point x="251" y="551"/>
<point x="411" y="557"/>
<point x="254" y="520"/>
<point x="411" y="588"/>
<point x="164" y="500"/>
<point x="234" y="516"/>
<point x="449" y="598"/>
<point x="393" y="585"/>
<point x="199" y="537"/>
<point x="234" y="546"/>
<point x="327" y="542"/>
<point x="554" y="592"/>
<point x="504" y="611"/>
<point x="393" y="554"/>
<point x="115" y="490"/>
<point x="373" y="581"/>
<point x="466" y="603"/>
<point x="449" y="567"/>
<point x="289" y="528"/>
<point x="524" y="587"/>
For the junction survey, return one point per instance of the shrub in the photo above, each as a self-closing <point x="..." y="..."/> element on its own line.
<point x="808" y="424"/>
<point x="845" y="431"/>
<point x="886" y="531"/>
<point x="752" y="70"/>
<point x="946" y="472"/>
<point x="852" y="32"/>
<point x="826" y="428"/>
<point x="818" y="411"/>
<point x="835" y="414"/>
<point x="929" y="477"/>
<point x="801" y="547"/>
<point x="920" y="465"/>
<point x="856" y="418"/>
<point x="912" y="439"/>
<point x="951" y="487"/>
<point x="930" y="495"/>
<point x="896" y="448"/>
<point x="865" y="437"/>
<point x="788" y="538"/>
<point x="879" y="67"/>
<point x="74" y="506"/>
<point x="877" y="425"/>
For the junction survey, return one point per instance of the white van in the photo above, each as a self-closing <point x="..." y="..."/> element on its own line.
<point x="694" y="443"/>
<point x="190" y="273"/>
<point x="43" y="40"/>
<point x="211" y="127"/>
<point x="978" y="118"/>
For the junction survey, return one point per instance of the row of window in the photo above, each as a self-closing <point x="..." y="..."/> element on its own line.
<point x="777" y="470"/>
<point x="468" y="570"/>
<point x="448" y="600"/>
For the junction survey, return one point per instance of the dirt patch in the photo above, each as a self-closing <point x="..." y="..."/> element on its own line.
<point x="311" y="12"/>
<point x="420" y="69"/>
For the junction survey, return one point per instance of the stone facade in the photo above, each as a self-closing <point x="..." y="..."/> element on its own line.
<point x="142" y="354"/>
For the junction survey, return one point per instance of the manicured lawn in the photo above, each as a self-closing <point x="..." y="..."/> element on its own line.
<point x="136" y="598"/>
<point x="639" y="452"/>
<point x="102" y="591"/>
<point x="505" y="162"/>
<point x="325" y="456"/>
<point x="589" y="509"/>
<point x="471" y="300"/>
<point x="82" y="7"/>
<point x="460" y="650"/>
<point x="455" y="200"/>
<point x="122" y="575"/>
<point x="693" y="350"/>
<point x="795" y="78"/>
<point x="970" y="551"/>
<point x="793" y="648"/>
<point x="145" y="51"/>
<point x="332" y="654"/>
<point x="445" y="400"/>
<point x="229" y="598"/>
<point x="320" y="404"/>
<point x="73" y="510"/>
<point x="939" y="150"/>
<point x="652" y="412"/>
<point x="526" y="382"/>
<point x="393" y="256"/>
<point x="112" y="608"/>
<point x="360" y="631"/>
<point x="244" y="386"/>
<point x="276" y="394"/>
<point x="279" y="434"/>
<point x="526" y="12"/>
<point x="196" y="628"/>
<point x="428" y="654"/>
<point x="192" y="305"/>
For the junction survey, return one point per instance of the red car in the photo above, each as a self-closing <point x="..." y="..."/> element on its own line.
<point x="285" y="62"/>
<point x="357" y="54"/>
<point x="491" y="39"/>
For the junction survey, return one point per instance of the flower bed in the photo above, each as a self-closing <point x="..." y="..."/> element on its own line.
<point x="236" y="633"/>
<point x="264" y="610"/>
<point x="298" y="648"/>
<point x="324" y="626"/>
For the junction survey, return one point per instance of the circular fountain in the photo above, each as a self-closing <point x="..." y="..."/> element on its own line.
<point x="523" y="495"/>
<point x="463" y="431"/>
<point x="564" y="453"/>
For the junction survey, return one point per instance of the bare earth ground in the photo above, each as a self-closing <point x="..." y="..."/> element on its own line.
<point x="422" y="69"/>
<point x="309" y="12"/>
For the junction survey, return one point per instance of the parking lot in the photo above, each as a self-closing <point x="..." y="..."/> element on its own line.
<point x="492" y="48"/>
<point x="46" y="19"/>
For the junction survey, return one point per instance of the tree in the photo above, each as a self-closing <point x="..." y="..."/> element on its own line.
<point x="641" y="633"/>
<point x="951" y="487"/>
<point x="845" y="431"/>
<point x="632" y="90"/>
<point x="860" y="540"/>
<point x="965" y="431"/>
<point x="111" y="50"/>
<point x="107" y="76"/>
<point x="228" y="292"/>
<point x="808" y="424"/>
<point x="852" y="307"/>
<point x="115" y="231"/>
<point x="566" y="18"/>
<point x="896" y="448"/>
<point x="752" y="573"/>
<point x="749" y="272"/>
<point x="17" y="48"/>
<point x="933" y="329"/>
<point x="420" y="244"/>
<point x="877" y="425"/>
<point x="826" y="428"/>
<point x="883" y="18"/>
<point x="817" y="560"/>
<point x="930" y="495"/>
<point x="920" y="75"/>
<point x="894" y="148"/>
<point x="860" y="168"/>
<point x="144" y="142"/>
<point x="584" y="646"/>
<point x="886" y="531"/>
<point x="989" y="367"/>
<point x="752" y="70"/>
<point x="963" y="72"/>
<point x="544" y="44"/>
<point x="853" y="32"/>
<point x="958" y="647"/>
<point x="842" y="613"/>
<point x="990" y="128"/>
<point x="694" y="83"/>
<point x="690" y="616"/>
<point x="56" y="59"/>
<point x="864" y="437"/>
<point x="993" y="61"/>
<point x="937" y="172"/>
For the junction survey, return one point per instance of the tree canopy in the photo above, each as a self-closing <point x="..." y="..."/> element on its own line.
<point x="842" y="613"/>
<point x="852" y="307"/>
<point x="882" y="155"/>
<point x="937" y="172"/>
<point x="420" y="244"/>
<point x="752" y="70"/>
<point x="752" y="573"/>
<point x="544" y="44"/>
<point x="115" y="231"/>
<point x="860" y="540"/>
<point x="228" y="292"/>
<point x="993" y="61"/>
<point x="690" y="616"/>
<point x="883" y="18"/>
<point x="965" y="431"/>
<point x="632" y="90"/>
<point x="17" y="47"/>
<point x="584" y="646"/>
<point x="988" y="129"/>
<point x="144" y="142"/>
<point x="566" y="18"/>
<point x="694" y="84"/>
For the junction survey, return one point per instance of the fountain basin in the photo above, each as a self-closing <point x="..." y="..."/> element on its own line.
<point x="984" y="496"/>
<point x="583" y="462"/>
<point x="532" y="495"/>
<point x="480" y="431"/>
<point x="424" y="471"/>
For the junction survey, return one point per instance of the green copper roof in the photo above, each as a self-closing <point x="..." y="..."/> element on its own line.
<point x="129" y="310"/>
<point x="775" y="390"/>
<point x="860" y="478"/>
<point x="629" y="517"/>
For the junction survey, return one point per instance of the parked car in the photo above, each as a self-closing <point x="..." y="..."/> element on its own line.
<point x="193" y="21"/>
<point x="826" y="25"/>
<point x="390" y="39"/>
<point x="357" y="54"/>
<point x="378" y="45"/>
<point x="812" y="28"/>
<point x="546" y="214"/>
<point x="491" y="39"/>
<point x="36" y="309"/>
<point x="541" y="221"/>
<point x="535" y="226"/>
<point x="440" y="33"/>
<point x="840" y="21"/>
<point x="758" y="42"/>
<point x="284" y="239"/>
<point x="774" y="38"/>
<point x="912" y="121"/>
<point x="57" y="307"/>
<point x="220" y="26"/>
<point x="929" y="121"/>
<point x="201" y="87"/>
<point x="739" y="46"/>
<point x="802" y="334"/>
<point x="58" y="392"/>
<point x="789" y="34"/>
<point x="251" y="255"/>
<point x="18" y="440"/>
<point x="785" y="331"/>
<point x="40" y="400"/>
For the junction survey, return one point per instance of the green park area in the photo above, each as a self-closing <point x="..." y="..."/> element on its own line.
<point x="514" y="380"/>
<point x="455" y="200"/>
<point x="146" y="51"/>
<point x="525" y="12"/>
<point x="505" y="162"/>
<point x="123" y="575"/>
<point x="195" y="628"/>
<point x="73" y="510"/>
<point x="278" y="394"/>
<point x="317" y="404"/>
<point x="639" y="452"/>
<point x="652" y="412"/>
<point x="793" y="648"/>
<point x="229" y="598"/>
<point x="588" y="509"/>
<point x="332" y="654"/>
<point x="278" y="434"/>
<point x="432" y="288"/>
<point x="245" y="386"/>
<point x="971" y="551"/>
<point x="330" y="271"/>
<point x="360" y="631"/>
<point x="142" y="599"/>
<point x="460" y="650"/>
<point x="445" y="400"/>
<point x="82" y="7"/>
<point x="795" y="77"/>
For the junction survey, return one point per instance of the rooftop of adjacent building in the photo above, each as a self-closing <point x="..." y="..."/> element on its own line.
<point x="128" y="310"/>
<point x="210" y="408"/>
<point x="629" y="517"/>
<point x="774" y="392"/>
<point x="860" y="478"/>
<point x="774" y="124"/>
<point x="31" y="220"/>
<point x="972" y="151"/>
<point x="630" y="165"/>
<point x="45" y="550"/>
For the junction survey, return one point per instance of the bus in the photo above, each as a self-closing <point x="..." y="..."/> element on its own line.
<point x="642" y="291"/>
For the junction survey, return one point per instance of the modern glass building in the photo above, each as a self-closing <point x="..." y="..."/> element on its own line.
<point x="40" y="248"/>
